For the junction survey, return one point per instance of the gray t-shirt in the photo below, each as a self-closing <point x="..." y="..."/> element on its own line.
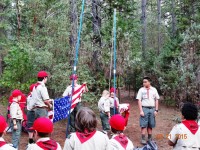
<point x="148" y="96"/>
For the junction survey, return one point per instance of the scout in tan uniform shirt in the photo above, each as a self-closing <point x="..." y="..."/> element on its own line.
<point x="3" y="144"/>
<point x="119" y="140"/>
<point x="186" y="135"/>
<point x="148" y="105"/>
<point x="86" y="136"/>
<point x="40" y="96"/>
<point x="16" y="118"/>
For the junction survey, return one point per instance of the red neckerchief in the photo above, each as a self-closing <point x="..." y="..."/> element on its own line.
<point x="83" y="137"/>
<point x="147" y="91"/>
<point x="191" y="125"/>
<point x="48" y="145"/>
<point x="2" y="143"/>
<point x="122" y="139"/>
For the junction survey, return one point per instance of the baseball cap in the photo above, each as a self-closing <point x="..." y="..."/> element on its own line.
<point x="16" y="93"/>
<point x="43" y="125"/>
<point x="73" y="76"/>
<point x="3" y="124"/>
<point x="117" y="122"/>
<point x="42" y="74"/>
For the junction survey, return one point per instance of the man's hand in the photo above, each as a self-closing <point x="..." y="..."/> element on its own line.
<point x="155" y="113"/>
<point x="15" y="127"/>
<point x="142" y="113"/>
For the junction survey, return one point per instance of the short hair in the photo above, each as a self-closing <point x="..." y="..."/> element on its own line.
<point x="147" y="78"/>
<point x="189" y="111"/>
<point x="1" y="134"/>
<point x="85" y="120"/>
<point x="41" y="78"/>
<point x="43" y="135"/>
<point x="116" y="131"/>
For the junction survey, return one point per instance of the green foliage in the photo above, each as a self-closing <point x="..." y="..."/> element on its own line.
<point x="17" y="71"/>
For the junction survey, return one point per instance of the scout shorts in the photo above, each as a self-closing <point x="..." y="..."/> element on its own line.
<point x="30" y="118"/>
<point x="148" y="120"/>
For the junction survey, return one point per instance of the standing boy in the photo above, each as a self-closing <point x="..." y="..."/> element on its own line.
<point x="43" y="128"/>
<point x="186" y="135"/>
<point x="40" y="96"/>
<point x="76" y="99"/>
<point x="104" y="108"/>
<point x="16" y="117"/>
<point x="148" y="105"/>
<point x="3" y="144"/>
<point x="119" y="141"/>
<point x="114" y="102"/>
<point x="30" y="113"/>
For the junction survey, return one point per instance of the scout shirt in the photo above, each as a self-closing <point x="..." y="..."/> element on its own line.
<point x="104" y="104"/>
<point x="120" y="142"/>
<point x="40" y="94"/>
<point x="95" y="141"/>
<point x="30" y="102"/>
<point x="148" y="96"/>
<point x="112" y="102"/>
<point x="44" y="143"/>
<point x="4" y="145"/>
<point x="184" y="137"/>
<point x="15" y="111"/>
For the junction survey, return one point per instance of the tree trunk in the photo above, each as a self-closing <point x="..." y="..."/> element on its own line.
<point x="144" y="25"/>
<point x="96" y="24"/>
<point x="18" y="19"/>
<point x="159" y="23"/>
<point x="173" y="18"/>
<point x="73" y="34"/>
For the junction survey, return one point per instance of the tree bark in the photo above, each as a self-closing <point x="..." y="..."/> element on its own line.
<point x="159" y="23"/>
<point x="96" y="20"/>
<point x="144" y="25"/>
<point x="73" y="34"/>
<point x="173" y="18"/>
<point x="18" y="19"/>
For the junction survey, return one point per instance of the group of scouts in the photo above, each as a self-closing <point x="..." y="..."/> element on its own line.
<point x="83" y="122"/>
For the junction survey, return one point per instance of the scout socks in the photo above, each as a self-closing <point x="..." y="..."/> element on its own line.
<point x="143" y="141"/>
<point x="149" y="137"/>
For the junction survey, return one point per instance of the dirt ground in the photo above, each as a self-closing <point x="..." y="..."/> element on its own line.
<point x="164" y="125"/>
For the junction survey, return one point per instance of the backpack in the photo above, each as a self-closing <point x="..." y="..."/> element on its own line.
<point x="151" y="145"/>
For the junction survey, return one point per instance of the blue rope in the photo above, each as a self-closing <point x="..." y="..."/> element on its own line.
<point x="76" y="59"/>
<point x="114" y="66"/>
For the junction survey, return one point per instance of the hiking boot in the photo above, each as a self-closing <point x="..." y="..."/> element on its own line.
<point x="143" y="141"/>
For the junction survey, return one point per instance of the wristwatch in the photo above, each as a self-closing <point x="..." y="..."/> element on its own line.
<point x="156" y="110"/>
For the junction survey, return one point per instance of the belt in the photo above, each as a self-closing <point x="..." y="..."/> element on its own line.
<point x="40" y="107"/>
<point x="149" y="107"/>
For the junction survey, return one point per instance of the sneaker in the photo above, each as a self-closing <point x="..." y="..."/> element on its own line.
<point x="144" y="142"/>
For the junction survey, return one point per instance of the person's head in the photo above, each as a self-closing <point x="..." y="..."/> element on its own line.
<point x="86" y="120"/>
<point x="105" y="94"/>
<point x="146" y="82"/>
<point x="112" y="91"/>
<point x="73" y="77"/>
<point x="189" y="111"/>
<point x="3" y="125"/>
<point x="117" y="123"/>
<point x="43" y="127"/>
<point x="17" y="94"/>
<point x="31" y="87"/>
<point x="42" y="76"/>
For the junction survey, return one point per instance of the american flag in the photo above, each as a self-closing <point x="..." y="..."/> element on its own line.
<point x="61" y="106"/>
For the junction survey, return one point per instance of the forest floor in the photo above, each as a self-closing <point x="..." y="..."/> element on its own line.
<point x="164" y="125"/>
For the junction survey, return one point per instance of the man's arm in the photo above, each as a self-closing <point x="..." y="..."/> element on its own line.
<point x="140" y="107"/>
